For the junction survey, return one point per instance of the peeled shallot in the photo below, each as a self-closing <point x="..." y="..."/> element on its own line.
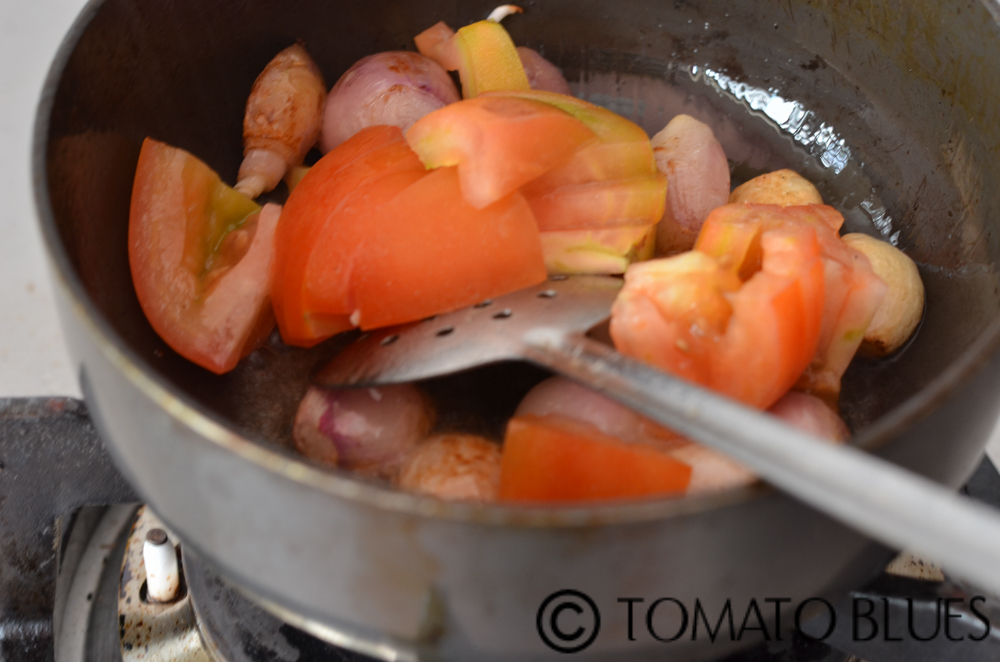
<point x="453" y="466"/>
<point x="282" y="120"/>
<point x="564" y="397"/>
<point x="367" y="430"/>
<point x="697" y="173"/>
<point x="542" y="74"/>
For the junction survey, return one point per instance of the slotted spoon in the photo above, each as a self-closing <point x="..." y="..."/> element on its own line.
<point x="546" y="325"/>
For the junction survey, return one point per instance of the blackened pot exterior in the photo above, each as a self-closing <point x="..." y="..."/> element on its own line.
<point x="911" y="91"/>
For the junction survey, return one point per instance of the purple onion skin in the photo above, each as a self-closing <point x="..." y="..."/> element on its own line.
<point x="368" y="430"/>
<point x="697" y="171"/>
<point x="811" y="415"/>
<point x="542" y="74"/>
<point x="564" y="397"/>
<point x="394" y="88"/>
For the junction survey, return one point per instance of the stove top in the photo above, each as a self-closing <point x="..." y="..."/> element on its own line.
<point x="72" y="587"/>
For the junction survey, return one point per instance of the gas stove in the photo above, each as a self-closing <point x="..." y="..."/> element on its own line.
<point x="73" y="584"/>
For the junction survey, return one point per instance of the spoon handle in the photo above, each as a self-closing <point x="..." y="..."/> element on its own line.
<point x="888" y="503"/>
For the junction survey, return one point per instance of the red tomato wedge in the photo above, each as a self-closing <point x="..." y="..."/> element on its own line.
<point x="431" y="252"/>
<point x="498" y="144"/>
<point x="342" y="246"/>
<point x="553" y="458"/>
<point x="596" y="163"/>
<point x="366" y="157"/>
<point x="608" y="126"/>
<point x="852" y="290"/>
<point x="373" y="239"/>
<point x="601" y="204"/>
<point x="604" y="187"/>
<point x="693" y="317"/>
<point x="622" y="150"/>
<point x="200" y="255"/>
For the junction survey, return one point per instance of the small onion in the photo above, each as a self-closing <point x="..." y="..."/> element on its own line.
<point x="542" y="74"/>
<point x="282" y="120"/>
<point x="713" y="472"/>
<point x="453" y="466"/>
<point x="697" y="173"/>
<point x="564" y="397"/>
<point x="810" y="414"/>
<point x="786" y="188"/>
<point x="369" y="431"/>
<point x="394" y="88"/>
<point x="902" y="307"/>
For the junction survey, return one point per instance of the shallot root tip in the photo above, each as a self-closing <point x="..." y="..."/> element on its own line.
<point x="502" y="12"/>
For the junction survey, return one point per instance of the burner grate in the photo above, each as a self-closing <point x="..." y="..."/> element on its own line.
<point x="53" y="467"/>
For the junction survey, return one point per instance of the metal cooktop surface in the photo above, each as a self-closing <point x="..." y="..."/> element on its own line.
<point x="67" y="519"/>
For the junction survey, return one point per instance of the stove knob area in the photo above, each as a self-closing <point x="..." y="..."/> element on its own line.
<point x="157" y="620"/>
<point x="162" y="574"/>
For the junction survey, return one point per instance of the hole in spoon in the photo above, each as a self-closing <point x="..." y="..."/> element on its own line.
<point x="547" y="294"/>
<point x="503" y="314"/>
<point x="445" y="331"/>
<point x="389" y="340"/>
<point x="558" y="277"/>
<point x="483" y="304"/>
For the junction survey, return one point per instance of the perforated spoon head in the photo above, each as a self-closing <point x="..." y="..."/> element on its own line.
<point x="488" y="332"/>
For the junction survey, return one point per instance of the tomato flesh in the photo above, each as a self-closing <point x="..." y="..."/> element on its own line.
<point x="343" y="172"/>
<point x="608" y="126"/>
<point x="435" y="252"/>
<point x="200" y="255"/>
<point x="609" y="184"/>
<point x="498" y="144"/>
<point x="374" y="239"/>
<point x="598" y="251"/>
<point x="556" y="459"/>
<point x="433" y="43"/>
<point x="693" y="317"/>
<point x="483" y="54"/>
<point x="601" y="204"/>
<point x="732" y="234"/>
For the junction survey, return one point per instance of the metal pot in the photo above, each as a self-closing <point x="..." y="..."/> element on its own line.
<point x="892" y="107"/>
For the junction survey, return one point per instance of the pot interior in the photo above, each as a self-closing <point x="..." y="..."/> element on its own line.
<point x="892" y="109"/>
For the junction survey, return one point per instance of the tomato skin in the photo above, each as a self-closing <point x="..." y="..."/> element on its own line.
<point x="852" y="290"/>
<point x="601" y="204"/>
<point x="671" y="313"/>
<point x="371" y="238"/>
<point x="691" y="316"/>
<point x="488" y="59"/>
<point x="433" y="43"/>
<point x="609" y="184"/>
<point x="554" y="458"/>
<point x="431" y="251"/>
<point x="498" y="143"/>
<point x="348" y="170"/>
<point x="599" y="251"/>
<point x="482" y="53"/>
<point x="777" y="314"/>
<point x="200" y="255"/>
<point x="608" y="126"/>
<point x="597" y="163"/>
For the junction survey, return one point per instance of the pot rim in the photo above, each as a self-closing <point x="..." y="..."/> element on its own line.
<point x="342" y="484"/>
